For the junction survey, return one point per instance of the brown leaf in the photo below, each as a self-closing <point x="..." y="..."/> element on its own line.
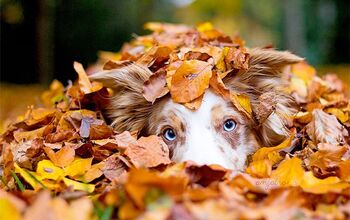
<point x="156" y="52"/>
<point x="141" y="181"/>
<point x="205" y="174"/>
<point x="100" y="131"/>
<point x="85" y="85"/>
<point x="237" y="58"/>
<point x="116" y="64"/>
<point x="62" y="158"/>
<point x="155" y="86"/>
<point x="148" y="152"/>
<point x="195" y="55"/>
<point x="59" y="136"/>
<point x="325" y="128"/>
<point x="266" y="106"/>
<point x="190" y="81"/>
<point x="325" y="162"/>
<point x="195" y="103"/>
<point x="29" y="135"/>
<point x="113" y="167"/>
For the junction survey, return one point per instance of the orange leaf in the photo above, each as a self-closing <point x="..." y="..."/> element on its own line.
<point x="85" y="85"/>
<point x="304" y="71"/>
<point x="61" y="158"/>
<point x="148" y="152"/>
<point x="190" y="81"/>
<point x="289" y="172"/>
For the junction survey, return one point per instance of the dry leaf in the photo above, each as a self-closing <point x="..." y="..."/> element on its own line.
<point x="61" y="158"/>
<point x="148" y="152"/>
<point x="85" y="85"/>
<point x="325" y="128"/>
<point x="155" y="87"/>
<point x="190" y="81"/>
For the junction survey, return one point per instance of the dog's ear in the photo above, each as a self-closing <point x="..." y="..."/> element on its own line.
<point x="128" y="109"/>
<point x="264" y="84"/>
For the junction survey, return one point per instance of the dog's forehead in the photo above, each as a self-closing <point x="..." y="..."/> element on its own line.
<point x="210" y="102"/>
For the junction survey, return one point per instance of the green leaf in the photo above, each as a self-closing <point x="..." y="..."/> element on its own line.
<point x="18" y="181"/>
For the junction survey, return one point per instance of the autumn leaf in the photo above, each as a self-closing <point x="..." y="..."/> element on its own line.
<point x="154" y="54"/>
<point x="85" y="85"/>
<point x="195" y="103"/>
<point x="78" y="167"/>
<point x="29" y="135"/>
<point x="304" y="71"/>
<point x="155" y="87"/>
<point x="190" y="81"/>
<point x="326" y="160"/>
<point x="289" y="172"/>
<point x="265" y="107"/>
<point x="237" y="58"/>
<point x="148" y="152"/>
<point x="320" y="186"/>
<point x="54" y="94"/>
<point x="141" y="181"/>
<point x="218" y="86"/>
<point x="341" y="116"/>
<point x="264" y="158"/>
<point x="271" y="153"/>
<point x="242" y="103"/>
<point x="325" y="128"/>
<point x="61" y="158"/>
<point x="78" y="185"/>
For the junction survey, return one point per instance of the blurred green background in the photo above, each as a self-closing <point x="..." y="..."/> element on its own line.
<point x="40" y="39"/>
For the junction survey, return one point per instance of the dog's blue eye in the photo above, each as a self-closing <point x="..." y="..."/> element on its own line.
<point x="229" y="125"/>
<point x="169" y="134"/>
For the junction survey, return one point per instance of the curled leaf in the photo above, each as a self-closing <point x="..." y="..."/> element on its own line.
<point x="155" y="86"/>
<point x="325" y="128"/>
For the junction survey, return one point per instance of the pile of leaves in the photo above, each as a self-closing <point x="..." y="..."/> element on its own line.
<point x="63" y="161"/>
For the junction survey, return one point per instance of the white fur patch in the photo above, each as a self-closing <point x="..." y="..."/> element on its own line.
<point x="203" y="144"/>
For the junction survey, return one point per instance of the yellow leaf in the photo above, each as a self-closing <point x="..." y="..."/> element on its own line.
<point x="299" y="86"/>
<point x="242" y="103"/>
<point x="260" y="168"/>
<point x="94" y="172"/>
<point x="341" y="116"/>
<point x="205" y="26"/>
<point x="304" y="71"/>
<point x="289" y="172"/>
<point x="27" y="177"/>
<point x="79" y="186"/>
<point x="47" y="170"/>
<point x="8" y="211"/>
<point x="310" y="180"/>
<point x="303" y="117"/>
<point x="271" y="153"/>
<point x="312" y="184"/>
<point x="78" y="167"/>
<point x="220" y="64"/>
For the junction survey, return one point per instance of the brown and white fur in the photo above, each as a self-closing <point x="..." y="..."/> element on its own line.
<point x="200" y="134"/>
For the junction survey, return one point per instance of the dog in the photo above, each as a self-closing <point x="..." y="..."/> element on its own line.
<point x="215" y="133"/>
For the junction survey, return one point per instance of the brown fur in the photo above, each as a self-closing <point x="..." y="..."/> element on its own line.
<point x="263" y="76"/>
<point x="130" y="111"/>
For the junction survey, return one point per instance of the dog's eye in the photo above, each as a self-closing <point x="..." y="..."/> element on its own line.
<point x="229" y="125"/>
<point x="169" y="134"/>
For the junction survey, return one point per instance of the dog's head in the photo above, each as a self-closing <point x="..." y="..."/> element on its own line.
<point x="215" y="133"/>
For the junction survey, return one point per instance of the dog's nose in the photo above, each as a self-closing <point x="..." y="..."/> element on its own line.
<point x="203" y="150"/>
